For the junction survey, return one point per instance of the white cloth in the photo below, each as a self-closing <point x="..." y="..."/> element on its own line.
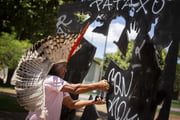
<point x="53" y="99"/>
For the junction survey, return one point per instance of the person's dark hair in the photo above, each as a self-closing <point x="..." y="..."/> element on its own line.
<point x="53" y="70"/>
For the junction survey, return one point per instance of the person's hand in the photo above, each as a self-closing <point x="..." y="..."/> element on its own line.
<point x="99" y="101"/>
<point x="103" y="85"/>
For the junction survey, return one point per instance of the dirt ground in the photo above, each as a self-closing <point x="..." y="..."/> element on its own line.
<point x="5" y="115"/>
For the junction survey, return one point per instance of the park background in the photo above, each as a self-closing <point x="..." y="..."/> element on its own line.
<point x="22" y="23"/>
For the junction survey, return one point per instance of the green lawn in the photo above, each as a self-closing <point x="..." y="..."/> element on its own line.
<point x="175" y="103"/>
<point x="10" y="104"/>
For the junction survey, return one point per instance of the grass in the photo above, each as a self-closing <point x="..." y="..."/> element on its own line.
<point x="174" y="104"/>
<point x="10" y="104"/>
<point x="7" y="87"/>
<point x="174" y="113"/>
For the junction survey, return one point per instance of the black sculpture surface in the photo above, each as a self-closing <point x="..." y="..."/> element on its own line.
<point x="77" y="69"/>
<point x="90" y="112"/>
<point x="148" y="82"/>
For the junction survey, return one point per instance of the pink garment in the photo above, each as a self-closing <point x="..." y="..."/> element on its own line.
<point x="54" y="99"/>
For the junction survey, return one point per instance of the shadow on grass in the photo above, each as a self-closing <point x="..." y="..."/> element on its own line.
<point x="10" y="109"/>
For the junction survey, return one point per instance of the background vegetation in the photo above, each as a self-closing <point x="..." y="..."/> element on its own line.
<point x="23" y="22"/>
<point x="124" y="62"/>
<point x="11" y="49"/>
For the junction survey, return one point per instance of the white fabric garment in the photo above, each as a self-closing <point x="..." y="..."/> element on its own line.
<point x="53" y="99"/>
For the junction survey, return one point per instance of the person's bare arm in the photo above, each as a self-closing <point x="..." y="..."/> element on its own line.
<point x="76" y="104"/>
<point x="83" y="88"/>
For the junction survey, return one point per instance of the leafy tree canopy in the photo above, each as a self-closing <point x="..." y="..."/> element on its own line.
<point x="31" y="19"/>
<point x="11" y="50"/>
<point x="123" y="61"/>
<point x="119" y="58"/>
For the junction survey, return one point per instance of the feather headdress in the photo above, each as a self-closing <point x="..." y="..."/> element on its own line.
<point x="34" y="66"/>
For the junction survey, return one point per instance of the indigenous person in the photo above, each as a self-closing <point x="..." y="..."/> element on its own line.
<point x="57" y="93"/>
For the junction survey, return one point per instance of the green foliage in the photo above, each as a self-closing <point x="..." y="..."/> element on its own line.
<point x="119" y="58"/>
<point x="11" y="50"/>
<point x="31" y="19"/>
<point x="99" y="60"/>
<point x="161" y="57"/>
<point x="177" y="80"/>
<point x="81" y="17"/>
<point x="123" y="61"/>
<point x="69" y="1"/>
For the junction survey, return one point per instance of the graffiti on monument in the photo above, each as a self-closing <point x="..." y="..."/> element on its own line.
<point x="118" y="106"/>
<point x="131" y="96"/>
<point x="138" y="90"/>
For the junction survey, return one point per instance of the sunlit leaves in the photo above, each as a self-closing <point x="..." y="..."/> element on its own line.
<point x="11" y="50"/>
